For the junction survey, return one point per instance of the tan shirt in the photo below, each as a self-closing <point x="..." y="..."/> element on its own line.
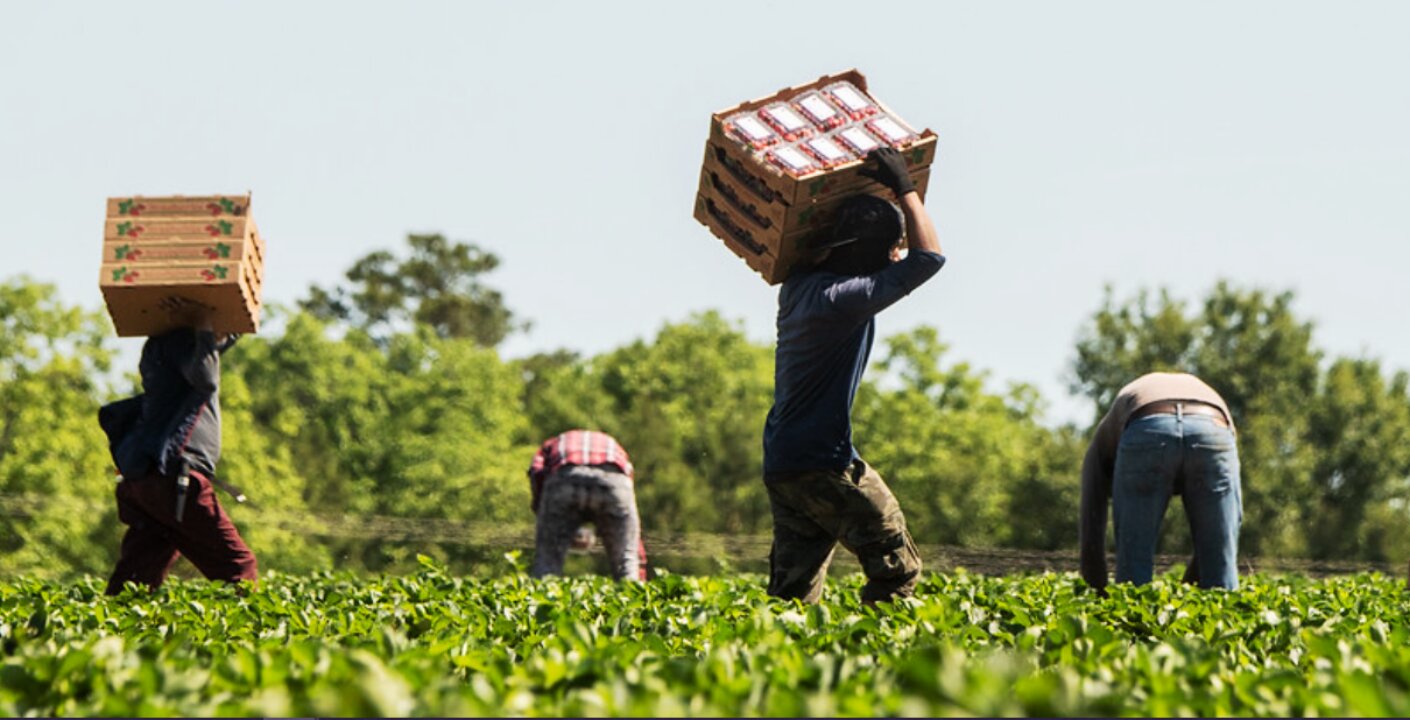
<point x="1100" y="463"/>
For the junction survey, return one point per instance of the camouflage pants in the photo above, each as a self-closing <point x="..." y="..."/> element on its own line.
<point x="815" y="510"/>
<point x="577" y="494"/>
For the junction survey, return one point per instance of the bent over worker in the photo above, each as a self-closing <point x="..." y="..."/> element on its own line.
<point x="1165" y="434"/>
<point x="168" y="460"/>
<point x="820" y="490"/>
<point x="578" y="477"/>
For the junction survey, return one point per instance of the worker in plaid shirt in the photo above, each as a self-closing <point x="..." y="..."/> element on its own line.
<point x="578" y="477"/>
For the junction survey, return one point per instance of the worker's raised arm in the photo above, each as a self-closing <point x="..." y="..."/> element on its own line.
<point x="920" y="231"/>
<point x="891" y="171"/>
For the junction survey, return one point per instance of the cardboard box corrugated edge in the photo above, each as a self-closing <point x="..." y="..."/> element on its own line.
<point x="775" y="252"/>
<point x="772" y="253"/>
<point x="258" y="239"/>
<point x="253" y="284"/>
<point x="177" y="205"/>
<point x="757" y="256"/>
<point x="768" y="216"/>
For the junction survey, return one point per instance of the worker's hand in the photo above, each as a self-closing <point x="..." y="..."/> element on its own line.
<point x="188" y="313"/>
<point x="890" y="170"/>
<point x="583" y="538"/>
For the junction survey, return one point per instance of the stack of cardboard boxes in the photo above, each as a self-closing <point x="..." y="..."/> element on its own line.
<point x="768" y="212"/>
<point x="164" y="256"/>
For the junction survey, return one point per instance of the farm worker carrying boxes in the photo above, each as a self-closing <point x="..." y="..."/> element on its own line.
<point x="578" y="477"/>
<point x="185" y="271"/>
<point x="1166" y="434"/>
<point x="166" y="443"/>
<point x="820" y="490"/>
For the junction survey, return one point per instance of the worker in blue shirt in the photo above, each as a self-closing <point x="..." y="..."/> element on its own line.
<point x="820" y="490"/>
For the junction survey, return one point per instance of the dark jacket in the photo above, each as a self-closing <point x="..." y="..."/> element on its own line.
<point x="179" y="423"/>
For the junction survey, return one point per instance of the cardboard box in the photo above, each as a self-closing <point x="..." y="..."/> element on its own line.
<point x="790" y="190"/>
<point x="730" y="227"/>
<point x="162" y="254"/>
<point x="772" y="215"/>
<point x="183" y="238"/>
<point x="140" y="311"/>
<point x="767" y="216"/>
<point x="195" y="206"/>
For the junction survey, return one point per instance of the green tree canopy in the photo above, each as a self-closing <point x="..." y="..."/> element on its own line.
<point x="438" y="285"/>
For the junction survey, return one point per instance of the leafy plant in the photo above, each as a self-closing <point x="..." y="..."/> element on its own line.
<point x="436" y="644"/>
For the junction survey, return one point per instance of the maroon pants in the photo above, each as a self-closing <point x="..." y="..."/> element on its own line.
<point x="154" y="539"/>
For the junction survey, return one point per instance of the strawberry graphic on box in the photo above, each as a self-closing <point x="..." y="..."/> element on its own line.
<point x="216" y="272"/>
<point x="224" y="205"/>
<point x="128" y="229"/>
<point x="127" y="252"/>
<point x="217" y="251"/>
<point x="122" y="274"/>
<point x="221" y="227"/>
<point x="130" y="206"/>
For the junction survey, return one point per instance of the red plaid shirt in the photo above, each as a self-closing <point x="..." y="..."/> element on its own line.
<point x="580" y="447"/>
<point x="575" y="447"/>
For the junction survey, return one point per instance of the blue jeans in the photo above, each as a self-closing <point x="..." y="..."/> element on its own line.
<point x="1160" y="455"/>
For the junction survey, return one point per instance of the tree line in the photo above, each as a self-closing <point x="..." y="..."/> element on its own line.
<point x="385" y="396"/>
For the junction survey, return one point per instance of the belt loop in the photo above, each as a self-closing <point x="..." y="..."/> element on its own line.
<point x="1180" y="412"/>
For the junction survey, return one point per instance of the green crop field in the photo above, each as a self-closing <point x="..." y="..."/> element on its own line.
<point x="436" y="644"/>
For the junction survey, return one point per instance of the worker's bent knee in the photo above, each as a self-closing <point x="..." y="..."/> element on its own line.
<point x="892" y="567"/>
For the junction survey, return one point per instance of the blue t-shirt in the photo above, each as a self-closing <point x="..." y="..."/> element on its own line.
<point x="825" y="329"/>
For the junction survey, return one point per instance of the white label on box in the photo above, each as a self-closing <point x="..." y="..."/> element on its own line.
<point x="753" y="128"/>
<point x="818" y="108"/>
<point x="891" y="129"/>
<point x="851" y="98"/>
<point x="860" y="140"/>
<point x="828" y="149"/>
<point x="787" y="118"/>
<point x="793" y="158"/>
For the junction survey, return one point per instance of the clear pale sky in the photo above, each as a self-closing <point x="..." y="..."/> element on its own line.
<point x="1138" y="144"/>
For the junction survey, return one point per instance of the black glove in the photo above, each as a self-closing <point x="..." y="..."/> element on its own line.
<point x="890" y="171"/>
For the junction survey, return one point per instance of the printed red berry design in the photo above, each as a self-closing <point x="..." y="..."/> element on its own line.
<point x="224" y="205"/>
<point x="122" y="274"/>
<point x="216" y="272"/>
<point x="221" y="227"/>
<point x="128" y="229"/>
<point x="821" y="186"/>
<point x="130" y="206"/>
